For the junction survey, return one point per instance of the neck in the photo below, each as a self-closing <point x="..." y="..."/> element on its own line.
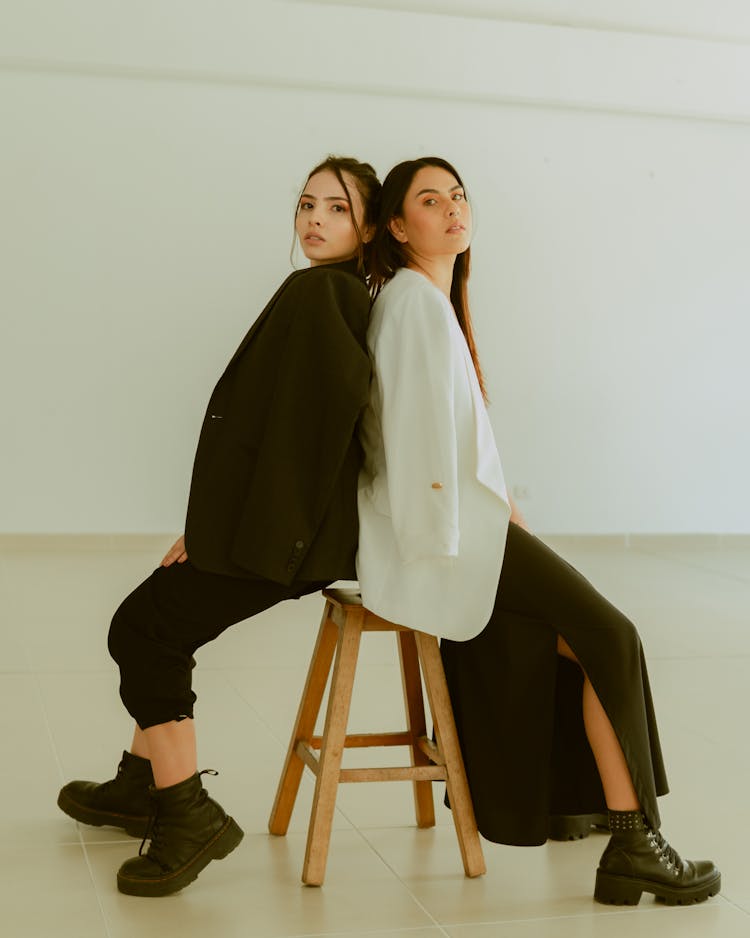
<point x="437" y="269"/>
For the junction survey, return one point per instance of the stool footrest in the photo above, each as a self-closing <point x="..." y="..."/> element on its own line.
<point x="366" y="740"/>
<point x="410" y="773"/>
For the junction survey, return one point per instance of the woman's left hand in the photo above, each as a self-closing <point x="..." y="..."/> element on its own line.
<point x="516" y="517"/>
<point x="176" y="552"/>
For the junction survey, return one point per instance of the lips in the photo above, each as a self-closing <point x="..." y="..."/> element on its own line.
<point x="314" y="238"/>
<point x="454" y="229"/>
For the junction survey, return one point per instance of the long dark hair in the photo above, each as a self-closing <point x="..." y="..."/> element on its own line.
<point x="386" y="255"/>
<point x="368" y="185"/>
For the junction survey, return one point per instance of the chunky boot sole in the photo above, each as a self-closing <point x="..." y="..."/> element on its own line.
<point x="133" y="824"/>
<point x="625" y="890"/>
<point x="220" y="846"/>
<point x="575" y="826"/>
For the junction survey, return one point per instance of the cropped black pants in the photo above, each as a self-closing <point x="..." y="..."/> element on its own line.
<point x="160" y="625"/>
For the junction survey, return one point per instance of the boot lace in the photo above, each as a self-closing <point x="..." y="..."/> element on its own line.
<point x="153" y="833"/>
<point x="154" y="830"/>
<point x="667" y="855"/>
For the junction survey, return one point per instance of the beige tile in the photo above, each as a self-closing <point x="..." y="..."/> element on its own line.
<point x="435" y="932"/>
<point x="28" y="770"/>
<point x="257" y="892"/>
<point x="713" y="919"/>
<point x="730" y="560"/>
<point x="53" y="543"/>
<point x="61" y="594"/>
<point x="96" y="543"/>
<point x="666" y="543"/>
<point x="557" y="877"/>
<point x="46" y="890"/>
<point x="14" y="654"/>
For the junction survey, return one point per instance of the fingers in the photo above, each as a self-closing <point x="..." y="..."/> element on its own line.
<point x="176" y="552"/>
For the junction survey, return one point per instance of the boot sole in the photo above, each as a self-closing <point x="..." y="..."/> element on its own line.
<point x="623" y="890"/>
<point x="220" y="846"/>
<point x="132" y="824"/>
<point x="575" y="826"/>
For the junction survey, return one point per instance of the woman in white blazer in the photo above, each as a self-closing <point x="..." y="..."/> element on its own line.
<point x="443" y="550"/>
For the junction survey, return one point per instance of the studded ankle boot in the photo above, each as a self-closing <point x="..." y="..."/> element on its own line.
<point x="122" y="802"/>
<point x="638" y="859"/>
<point x="576" y="826"/>
<point x="188" y="830"/>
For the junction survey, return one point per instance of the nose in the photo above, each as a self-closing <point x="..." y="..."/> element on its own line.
<point x="454" y="209"/>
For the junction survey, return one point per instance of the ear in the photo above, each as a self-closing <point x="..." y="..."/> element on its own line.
<point x="368" y="234"/>
<point x="396" y="228"/>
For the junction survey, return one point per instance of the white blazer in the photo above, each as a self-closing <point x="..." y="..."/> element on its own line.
<point x="433" y="506"/>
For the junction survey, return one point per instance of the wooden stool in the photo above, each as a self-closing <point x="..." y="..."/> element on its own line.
<point x="344" y="620"/>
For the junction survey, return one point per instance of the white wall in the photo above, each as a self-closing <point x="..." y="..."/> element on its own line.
<point x="150" y="159"/>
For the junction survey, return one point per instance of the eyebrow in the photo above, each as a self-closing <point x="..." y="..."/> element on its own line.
<point x="328" y="198"/>
<point x="437" y="191"/>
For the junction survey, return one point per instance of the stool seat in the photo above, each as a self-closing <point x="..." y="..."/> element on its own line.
<point x="344" y="620"/>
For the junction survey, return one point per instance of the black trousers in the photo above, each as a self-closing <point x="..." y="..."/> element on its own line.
<point x="160" y="625"/>
<point x="518" y="703"/>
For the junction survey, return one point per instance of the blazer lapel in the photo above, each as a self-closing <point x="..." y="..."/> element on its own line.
<point x="349" y="266"/>
<point x="260" y="320"/>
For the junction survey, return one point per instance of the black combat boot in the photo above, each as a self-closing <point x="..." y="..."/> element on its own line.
<point x="123" y="802"/>
<point x="638" y="859"/>
<point x="576" y="826"/>
<point x="188" y="830"/>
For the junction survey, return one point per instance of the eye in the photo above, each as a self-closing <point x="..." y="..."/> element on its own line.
<point x="458" y="196"/>
<point x="430" y="201"/>
<point x="339" y="207"/>
<point x="305" y="206"/>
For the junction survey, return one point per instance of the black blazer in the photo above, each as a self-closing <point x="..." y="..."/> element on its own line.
<point x="274" y="486"/>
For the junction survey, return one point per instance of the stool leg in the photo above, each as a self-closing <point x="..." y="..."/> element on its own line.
<point x="304" y="726"/>
<point x="424" y="806"/>
<point x="447" y="740"/>
<point x="332" y="750"/>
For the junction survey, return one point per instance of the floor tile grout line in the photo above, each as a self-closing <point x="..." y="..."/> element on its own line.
<point x="735" y="905"/>
<point x="652" y="909"/>
<point x="693" y="565"/>
<point x="99" y="902"/>
<point x="400" y="879"/>
<point x="81" y="841"/>
<point x="401" y="930"/>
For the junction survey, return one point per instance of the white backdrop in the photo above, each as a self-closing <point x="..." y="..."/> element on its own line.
<point x="150" y="161"/>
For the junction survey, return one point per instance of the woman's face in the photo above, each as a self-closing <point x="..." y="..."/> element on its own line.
<point x="435" y="218"/>
<point x="324" y="220"/>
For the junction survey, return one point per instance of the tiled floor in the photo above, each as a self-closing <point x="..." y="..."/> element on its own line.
<point x="60" y="718"/>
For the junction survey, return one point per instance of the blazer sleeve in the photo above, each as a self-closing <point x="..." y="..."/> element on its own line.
<point x="320" y="385"/>
<point x="415" y="373"/>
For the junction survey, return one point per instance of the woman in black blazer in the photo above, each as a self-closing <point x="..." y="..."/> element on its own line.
<point x="272" y="515"/>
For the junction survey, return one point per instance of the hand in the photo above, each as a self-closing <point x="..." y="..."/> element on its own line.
<point x="521" y="522"/>
<point x="516" y="517"/>
<point x="176" y="552"/>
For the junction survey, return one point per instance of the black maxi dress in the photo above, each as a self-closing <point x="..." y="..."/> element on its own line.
<point x="518" y="704"/>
